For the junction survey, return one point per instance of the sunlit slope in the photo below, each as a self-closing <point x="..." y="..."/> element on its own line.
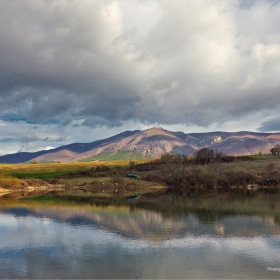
<point x="152" y="143"/>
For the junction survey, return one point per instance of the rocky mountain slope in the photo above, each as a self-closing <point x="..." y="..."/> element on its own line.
<point x="154" y="142"/>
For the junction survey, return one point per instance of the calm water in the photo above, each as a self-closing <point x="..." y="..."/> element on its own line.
<point x="172" y="237"/>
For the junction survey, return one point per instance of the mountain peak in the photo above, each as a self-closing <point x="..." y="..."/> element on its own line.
<point x="157" y="127"/>
<point x="155" y="130"/>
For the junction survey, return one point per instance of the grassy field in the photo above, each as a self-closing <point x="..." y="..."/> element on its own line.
<point x="107" y="178"/>
<point x="82" y="179"/>
<point x="50" y="170"/>
<point x="258" y="165"/>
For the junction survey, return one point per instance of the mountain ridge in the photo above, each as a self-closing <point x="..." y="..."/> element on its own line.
<point x="153" y="142"/>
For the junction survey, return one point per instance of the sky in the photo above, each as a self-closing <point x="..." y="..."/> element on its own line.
<point x="79" y="71"/>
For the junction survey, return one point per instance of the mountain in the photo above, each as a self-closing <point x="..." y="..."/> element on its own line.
<point x="153" y="142"/>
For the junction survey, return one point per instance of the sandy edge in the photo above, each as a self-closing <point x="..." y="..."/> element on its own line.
<point x="49" y="187"/>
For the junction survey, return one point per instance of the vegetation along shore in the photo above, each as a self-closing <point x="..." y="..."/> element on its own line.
<point x="205" y="171"/>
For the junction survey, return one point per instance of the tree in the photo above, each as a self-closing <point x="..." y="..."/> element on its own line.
<point x="176" y="170"/>
<point x="275" y="151"/>
<point x="204" y="156"/>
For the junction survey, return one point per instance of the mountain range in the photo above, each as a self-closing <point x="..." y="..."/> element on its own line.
<point x="152" y="143"/>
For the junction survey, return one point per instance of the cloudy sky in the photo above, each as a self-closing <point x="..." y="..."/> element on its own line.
<point x="78" y="71"/>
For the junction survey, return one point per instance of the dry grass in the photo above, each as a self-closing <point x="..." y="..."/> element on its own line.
<point x="9" y="182"/>
<point x="257" y="166"/>
<point x="57" y="167"/>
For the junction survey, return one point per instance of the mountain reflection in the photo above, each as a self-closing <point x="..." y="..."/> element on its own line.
<point x="179" y="218"/>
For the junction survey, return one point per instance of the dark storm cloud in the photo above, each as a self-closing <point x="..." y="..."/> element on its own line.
<point x="270" y="125"/>
<point x="53" y="60"/>
<point x="188" y="62"/>
<point x="98" y="121"/>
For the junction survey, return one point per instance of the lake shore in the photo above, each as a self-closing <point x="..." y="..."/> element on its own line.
<point x="105" y="179"/>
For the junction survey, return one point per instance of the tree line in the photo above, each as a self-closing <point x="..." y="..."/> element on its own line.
<point x="201" y="157"/>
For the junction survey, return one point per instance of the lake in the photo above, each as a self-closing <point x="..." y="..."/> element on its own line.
<point x="171" y="235"/>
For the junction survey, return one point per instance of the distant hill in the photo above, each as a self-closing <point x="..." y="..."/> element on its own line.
<point x="152" y="143"/>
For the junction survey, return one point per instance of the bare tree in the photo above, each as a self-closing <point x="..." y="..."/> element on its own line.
<point x="205" y="156"/>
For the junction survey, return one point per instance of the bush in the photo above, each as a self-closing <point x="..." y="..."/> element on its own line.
<point x="102" y="168"/>
<point x="170" y="158"/>
<point x="236" y="178"/>
<point x="118" y="179"/>
<point x="148" y="166"/>
<point x="228" y="159"/>
<point x="154" y="178"/>
<point x="9" y="182"/>
<point x="132" y="165"/>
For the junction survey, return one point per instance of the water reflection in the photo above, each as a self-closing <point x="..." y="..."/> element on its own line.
<point x="48" y="240"/>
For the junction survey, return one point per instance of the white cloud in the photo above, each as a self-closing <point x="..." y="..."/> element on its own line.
<point x="108" y="63"/>
<point x="28" y="147"/>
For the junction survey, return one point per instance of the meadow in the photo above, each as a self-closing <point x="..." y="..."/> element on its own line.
<point x="105" y="178"/>
<point x="51" y="170"/>
<point x="74" y="176"/>
<point x="259" y="163"/>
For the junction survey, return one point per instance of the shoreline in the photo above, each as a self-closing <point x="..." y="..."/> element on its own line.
<point x="31" y="189"/>
<point x="123" y="191"/>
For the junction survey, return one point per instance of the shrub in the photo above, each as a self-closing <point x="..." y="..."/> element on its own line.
<point x="236" y="178"/>
<point x="117" y="178"/>
<point x="148" y="166"/>
<point x="132" y="165"/>
<point x="228" y="159"/>
<point x="9" y="182"/>
<point x="170" y="158"/>
<point x="102" y="168"/>
<point x="154" y="178"/>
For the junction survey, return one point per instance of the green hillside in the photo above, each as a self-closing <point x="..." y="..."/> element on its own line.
<point x="121" y="155"/>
